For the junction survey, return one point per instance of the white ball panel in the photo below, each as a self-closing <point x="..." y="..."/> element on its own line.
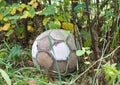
<point x="61" y="51"/>
<point x="34" y="49"/>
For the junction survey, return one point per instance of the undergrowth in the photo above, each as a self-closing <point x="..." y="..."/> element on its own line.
<point x="16" y="68"/>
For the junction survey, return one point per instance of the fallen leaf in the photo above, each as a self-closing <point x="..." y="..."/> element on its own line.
<point x="87" y="62"/>
<point x="34" y="5"/>
<point x="6" y="27"/>
<point x="68" y="26"/>
<point x="86" y="57"/>
<point x="20" y="9"/>
<point x="32" y="82"/>
<point x="1" y="17"/>
<point x="30" y="28"/>
<point x="13" y="11"/>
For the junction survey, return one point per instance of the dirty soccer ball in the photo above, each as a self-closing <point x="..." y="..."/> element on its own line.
<point x="54" y="48"/>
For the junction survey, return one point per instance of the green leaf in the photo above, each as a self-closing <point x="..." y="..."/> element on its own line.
<point x="15" y="5"/>
<point x="60" y="18"/>
<point x="3" y="54"/>
<point x="88" y="52"/>
<point x="80" y="6"/>
<point x="67" y="1"/>
<point x="52" y="25"/>
<point x="32" y="11"/>
<point x="80" y="52"/>
<point x="86" y="35"/>
<point x="7" y="11"/>
<point x="87" y="43"/>
<point x="14" y="17"/>
<point x="5" y="76"/>
<point x="9" y="32"/>
<point x="15" y="52"/>
<point x="46" y="20"/>
<point x="2" y="3"/>
<point x="50" y="10"/>
<point x="19" y="30"/>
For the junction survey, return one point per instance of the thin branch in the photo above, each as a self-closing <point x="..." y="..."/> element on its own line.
<point x="75" y="79"/>
<point x="94" y="35"/>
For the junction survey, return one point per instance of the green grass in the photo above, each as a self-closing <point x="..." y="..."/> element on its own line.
<point x="17" y="64"/>
<point x="17" y="67"/>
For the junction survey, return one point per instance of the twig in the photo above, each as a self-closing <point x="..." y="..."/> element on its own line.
<point x="102" y="56"/>
<point x="72" y="81"/>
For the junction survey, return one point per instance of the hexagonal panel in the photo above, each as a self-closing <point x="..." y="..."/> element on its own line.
<point x="44" y="60"/>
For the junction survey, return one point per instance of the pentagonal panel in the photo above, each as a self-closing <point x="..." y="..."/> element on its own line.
<point x="44" y="43"/>
<point x="44" y="60"/>
<point x="60" y="51"/>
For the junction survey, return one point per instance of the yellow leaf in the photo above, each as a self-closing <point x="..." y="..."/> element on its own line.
<point x="6" y="27"/>
<point x="5" y="19"/>
<point x="23" y="6"/>
<point x="1" y="17"/>
<point x="20" y="9"/>
<point x="22" y="36"/>
<point x="0" y="28"/>
<point x="86" y="57"/>
<point x="68" y="26"/>
<point x="38" y="12"/>
<point x="83" y="49"/>
<point x="45" y="21"/>
<point x="13" y="11"/>
<point x="57" y="22"/>
<point x="80" y="14"/>
<point x="31" y="2"/>
<point x="34" y="5"/>
<point x="13" y="26"/>
<point x="87" y="62"/>
<point x="23" y="16"/>
<point x="26" y="14"/>
<point x="40" y="0"/>
<point x="75" y="0"/>
<point x="30" y="28"/>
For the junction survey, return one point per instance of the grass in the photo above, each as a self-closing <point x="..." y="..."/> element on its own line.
<point x="16" y="64"/>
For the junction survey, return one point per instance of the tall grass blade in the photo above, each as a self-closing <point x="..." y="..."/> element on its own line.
<point x="5" y="76"/>
<point x="51" y="46"/>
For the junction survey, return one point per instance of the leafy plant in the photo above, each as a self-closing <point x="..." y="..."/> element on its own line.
<point x="111" y="73"/>
<point x="15" y="52"/>
<point x="85" y="50"/>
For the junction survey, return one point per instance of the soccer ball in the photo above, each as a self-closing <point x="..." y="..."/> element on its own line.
<point x="54" y="50"/>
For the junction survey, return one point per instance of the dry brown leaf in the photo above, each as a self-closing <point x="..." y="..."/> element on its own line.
<point x="32" y="82"/>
